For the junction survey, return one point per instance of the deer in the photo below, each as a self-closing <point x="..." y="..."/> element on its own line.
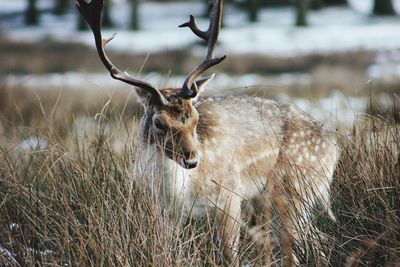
<point x="220" y="152"/>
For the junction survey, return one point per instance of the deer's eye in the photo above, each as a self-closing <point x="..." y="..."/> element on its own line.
<point x="159" y="126"/>
<point x="176" y="110"/>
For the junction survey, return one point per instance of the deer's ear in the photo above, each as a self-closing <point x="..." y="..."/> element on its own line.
<point x="143" y="96"/>
<point x="201" y="84"/>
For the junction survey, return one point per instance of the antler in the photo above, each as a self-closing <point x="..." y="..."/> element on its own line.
<point x="189" y="88"/>
<point x="91" y="12"/>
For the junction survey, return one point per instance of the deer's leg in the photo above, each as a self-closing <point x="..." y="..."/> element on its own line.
<point x="229" y="231"/>
<point x="292" y="206"/>
<point x="287" y="209"/>
<point x="286" y="231"/>
<point x="267" y="220"/>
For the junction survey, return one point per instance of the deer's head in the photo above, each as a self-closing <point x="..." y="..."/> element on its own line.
<point x="170" y="119"/>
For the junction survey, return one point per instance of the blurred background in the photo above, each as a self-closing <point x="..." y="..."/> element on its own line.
<point x="337" y="59"/>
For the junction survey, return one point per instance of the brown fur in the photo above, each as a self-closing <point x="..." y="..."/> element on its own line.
<point x="246" y="148"/>
<point x="207" y="123"/>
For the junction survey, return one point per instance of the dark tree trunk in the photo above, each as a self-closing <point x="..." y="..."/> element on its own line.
<point x="335" y="2"/>
<point x="301" y="12"/>
<point x="383" y="7"/>
<point x="277" y="2"/>
<point x="61" y="7"/>
<point x="253" y="7"/>
<point x="317" y="4"/>
<point x="135" y="15"/>
<point x="32" y="13"/>
<point x="106" y="21"/>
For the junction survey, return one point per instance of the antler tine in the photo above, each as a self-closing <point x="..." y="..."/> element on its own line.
<point x="91" y="12"/>
<point x="192" y="25"/>
<point x="189" y="88"/>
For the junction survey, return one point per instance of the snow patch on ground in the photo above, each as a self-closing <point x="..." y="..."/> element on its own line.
<point x="336" y="110"/>
<point x="7" y="258"/>
<point x="386" y="66"/>
<point x="102" y="81"/>
<point x="332" y="29"/>
<point x="324" y="109"/>
<point x="33" y="144"/>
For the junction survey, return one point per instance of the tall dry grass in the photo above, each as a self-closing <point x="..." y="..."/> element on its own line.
<point x="366" y="192"/>
<point x="73" y="201"/>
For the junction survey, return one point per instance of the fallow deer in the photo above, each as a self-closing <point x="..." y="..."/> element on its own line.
<point x="219" y="151"/>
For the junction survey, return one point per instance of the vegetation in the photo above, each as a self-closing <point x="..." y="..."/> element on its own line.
<point x="68" y="196"/>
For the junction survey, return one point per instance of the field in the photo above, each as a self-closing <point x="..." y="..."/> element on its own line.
<point x="68" y="197"/>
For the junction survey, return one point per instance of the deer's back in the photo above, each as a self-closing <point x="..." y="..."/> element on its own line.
<point x="252" y="139"/>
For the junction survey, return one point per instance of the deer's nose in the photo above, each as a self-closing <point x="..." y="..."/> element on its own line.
<point x="190" y="163"/>
<point x="187" y="155"/>
<point x="190" y="159"/>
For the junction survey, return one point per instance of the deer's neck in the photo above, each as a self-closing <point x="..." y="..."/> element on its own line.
<point x="209" y="121"/>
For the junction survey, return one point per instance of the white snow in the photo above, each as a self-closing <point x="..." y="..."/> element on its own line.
<point x="69" y="80"/>
<point x="102" y="81"/>
<point x="336" y="109"/>
<point x="331" y="29"/>
<point x="33" y="144"/>
<point x="386" y="66"/>
<point x="7" y="258"/>
<point x="13" y="226"/>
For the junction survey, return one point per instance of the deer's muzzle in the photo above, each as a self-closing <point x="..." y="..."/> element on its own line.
<point x="190" y="163"/>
